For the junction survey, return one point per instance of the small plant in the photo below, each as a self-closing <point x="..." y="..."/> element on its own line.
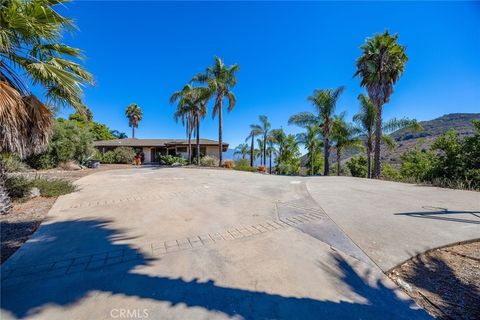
<point x="244" y="165"/>
<point x="53" y="188"/>
<point x="229" y="164"/>
<point x="357" y="166"/>
<point x="209" y="161"/>
<point x="18" y="188"/>
<point x="262" y="169"/>
<point x="168" y="160"/>
<point x="390" y="173"/>
<point x="13" y="163"/>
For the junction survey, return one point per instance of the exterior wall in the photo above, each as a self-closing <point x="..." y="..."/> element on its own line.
<point x="147" y="154"/>
<point x="212" y="151"/>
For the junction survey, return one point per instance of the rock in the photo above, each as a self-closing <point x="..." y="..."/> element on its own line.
<point x="69" y="166"/>
<point x="177" y="164"/>
<point x="34" y="192"/>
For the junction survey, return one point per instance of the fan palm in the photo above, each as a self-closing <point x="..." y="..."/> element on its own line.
<point x="184" y="112"/>
<point x="310" y="139"/>
<point x="220" y="79"/>
<point x="344" y="136"/>
<point x="271" y="150"/>
<point x="200" y="96"/>
<point x="31" y="52"/>
<point x="261" y="148"/>
<point x="366" y="120"/>
<point x="255" y="130"/>
<point x="380" y="66"/>
<point x="134" y="115"/>
<point x="265" y="127"/>
<point x="242" y="149"/>
<point x="324" y="102"/>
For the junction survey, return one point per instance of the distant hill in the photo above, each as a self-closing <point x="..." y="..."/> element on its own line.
<point x="432" y="129"/>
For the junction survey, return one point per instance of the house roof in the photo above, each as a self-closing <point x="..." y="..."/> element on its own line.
<point x="130" y="142"/>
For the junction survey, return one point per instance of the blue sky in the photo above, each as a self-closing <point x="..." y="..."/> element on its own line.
<point x="143" y="51"/>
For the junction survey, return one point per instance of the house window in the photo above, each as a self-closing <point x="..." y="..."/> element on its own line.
<point x="181" y="149"/>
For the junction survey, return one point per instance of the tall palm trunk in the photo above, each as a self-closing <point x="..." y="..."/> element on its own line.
<point x="265" y="149"/>
<point x="133" y="132"/>
<point x="198" y="141"/>
<point x="189" y="146"/>
<point x="338" y="161"/>
<point x="5" y="203"/>
<point x="378" y="138"/>
<point x="369" y="154"/>
<point x="326" y="153"/>
<point x="220" y="128"/>
<point x="270" y="169"/>
<point x="312" y="163"/>
<point x="251" y="153"/>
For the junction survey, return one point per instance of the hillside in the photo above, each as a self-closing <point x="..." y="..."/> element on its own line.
<point x="432" y="129"/>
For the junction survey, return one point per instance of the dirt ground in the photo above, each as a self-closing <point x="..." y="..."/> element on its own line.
<point x="25" y="217"/>
<point x="446" y="281"/>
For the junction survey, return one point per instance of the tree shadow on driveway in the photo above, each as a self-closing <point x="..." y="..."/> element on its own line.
<point x="445" y="215"/>
<point x="67" y="281"/>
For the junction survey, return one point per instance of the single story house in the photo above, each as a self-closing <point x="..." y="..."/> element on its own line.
<point x="152" y="148"/>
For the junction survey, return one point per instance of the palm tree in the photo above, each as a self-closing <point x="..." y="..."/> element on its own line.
<point x="201" y="95"/>
<point x="255" y="130"/>
<point x="264" y="127"/>
<point x="380" y="66"/>
<point x="134" y="115"/>
<point x="310" y="139"/>
<point x="31" y="51"/>
<point x="366" y="120"/>
<point x="270" y="150"/>
<point x="344" y="136"/>
<point x="185" y="112"/>
<point x="241" y="149"/>
<point x="324" y="102"/>
<point x="279" y="138"/>
<point x="261" y="148"/>
<point x="220" y="79"/>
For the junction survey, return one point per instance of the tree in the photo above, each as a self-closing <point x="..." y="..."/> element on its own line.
<point x="344" y="136"/>
<point x="184" y="112"/>
<point x="241" y="149"/>
<point x="288" y="156"/>
<point x="311" y="140"/>
<point x="118" y="135"/>
<point x="201" y="95"/>
<point x="134" y="115"/>
<point x="366" y="120"/>
<point x="380" y="66"/>
<point x="31" y="51"/>
<point x="255" y="130"/>
<point x="260" y="148"/>
<point x="220" y="80"/>
<point x="324" y="102"/>
<point x="270" y="150"/>
<point x="264" y="128"/>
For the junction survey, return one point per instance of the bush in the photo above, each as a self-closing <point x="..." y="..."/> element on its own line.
<point x="124" y="155"/>
<point x="169" y="160"/>
<point x="108" y="157"/>
<point x="12" y="163"/>
<point x="209" y="161"/>
<point x="417" y="166"/>
<point x="53" y="188"/>
<point x="18" y="187"/>
<point x="242" y="163"/>
<point x="390" y="173"/>
<point x="357" y="166"/>
<point x="246" y="168"/>
<point x="41" y="161"/>
<point x="229" y="164"/>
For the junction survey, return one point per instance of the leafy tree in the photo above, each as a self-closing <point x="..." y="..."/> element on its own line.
<point x="344" y="136"/>
<point x="380" y="66"/>
<point x="241" y="149"/>
<point x="287" y="160"/>
<point x="357" y="166"/>
<point x="31" y="51"/>
<point x="417" y="165"/>
<point x="255" y="130"/>
<point x="118" y="135"/>
<point x="324" y="102"/>
<point x="311" y="140"/>
<point x="134" y="115"/>
<point x="220" y="80"/>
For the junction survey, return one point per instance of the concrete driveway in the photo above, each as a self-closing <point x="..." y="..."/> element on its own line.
<point x="213" y="244"/>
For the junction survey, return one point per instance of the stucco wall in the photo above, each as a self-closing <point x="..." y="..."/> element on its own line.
<point x="212" y="151"/>
<point x="147" y="154"/>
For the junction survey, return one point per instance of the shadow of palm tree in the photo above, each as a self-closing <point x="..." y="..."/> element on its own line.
<point x="445" y="215"/>
<point x="65" y="282"/>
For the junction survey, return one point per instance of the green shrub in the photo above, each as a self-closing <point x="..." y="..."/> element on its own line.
<point x="108" y="157"/>
<point x="18" y="188"/>
<point x="54" y="187"/>
<point x="41" y="161"/>
<point x="13" y="163"/>
<point x="124" y="155"/>
<point x="168" y="160"/>
<point x="209" y="161"/>
<point x="245" y="168"/>
<point x="357" y="166"/>
<point x="417" y="165"/>
<point x="242" y="163"/>
<point x="390" y="173"/>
